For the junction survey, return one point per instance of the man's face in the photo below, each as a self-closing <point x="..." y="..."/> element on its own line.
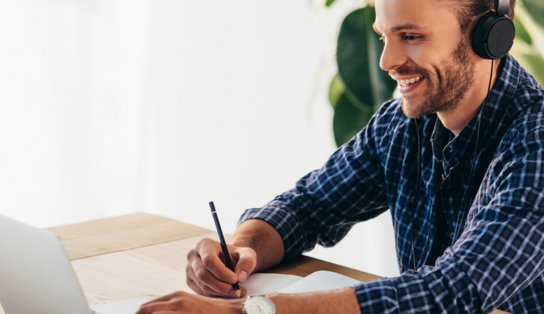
<point x="425" y="53"/>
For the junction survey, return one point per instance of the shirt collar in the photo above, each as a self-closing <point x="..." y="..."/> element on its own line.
<point x="492" y="114"/>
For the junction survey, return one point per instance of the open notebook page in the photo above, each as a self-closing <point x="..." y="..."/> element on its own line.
<point x="263" y="283"/>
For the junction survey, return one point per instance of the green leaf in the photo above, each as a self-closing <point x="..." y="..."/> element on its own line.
<point x="358" y="55"/>
<point x="529" y="14"/>
<point x="328" y="3"/>
<point x="360" y="86"/>
<point x="349" y="119"/>
<point x="528" y="46"/>
<point x="530" y="58"/>
<point x="382" y="84"/>
<point x="522" y="33"/>
<point x="336" y="90"/>
<point x="536" y="9"/>
<point x="353" y="66"/>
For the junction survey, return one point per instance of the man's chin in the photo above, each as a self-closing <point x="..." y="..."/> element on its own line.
<point x="412" y="110"/>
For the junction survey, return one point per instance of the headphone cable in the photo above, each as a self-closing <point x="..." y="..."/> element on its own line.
<point x="461" y="214"/>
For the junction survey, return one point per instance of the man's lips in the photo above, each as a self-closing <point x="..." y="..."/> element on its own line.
<point x="408" y="84"/>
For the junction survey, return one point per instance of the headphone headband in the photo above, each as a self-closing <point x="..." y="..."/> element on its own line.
<point x="502" y="6"/>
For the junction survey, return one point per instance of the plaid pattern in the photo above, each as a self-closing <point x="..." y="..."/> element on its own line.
<point x="469" y="223"/>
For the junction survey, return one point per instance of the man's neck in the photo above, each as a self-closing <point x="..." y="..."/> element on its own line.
<point x="458" y="118"/>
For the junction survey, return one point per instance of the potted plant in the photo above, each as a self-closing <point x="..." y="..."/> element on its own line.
<point x="360" y="86"/>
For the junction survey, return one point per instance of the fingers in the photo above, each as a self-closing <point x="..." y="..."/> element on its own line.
<point x="246" y="262"/>
<point x="207" y="285"/>
<point x="210" y="258"/>
<point x="207" y="273"/>
<point x="208" y="252"/>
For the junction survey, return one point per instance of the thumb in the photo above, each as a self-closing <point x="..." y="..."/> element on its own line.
<point x="246" y="262"/>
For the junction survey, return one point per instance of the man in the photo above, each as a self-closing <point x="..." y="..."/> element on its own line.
<point x="460" y="169"/>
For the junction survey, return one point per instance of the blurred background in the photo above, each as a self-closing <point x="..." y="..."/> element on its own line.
<point x="110" y="107"/>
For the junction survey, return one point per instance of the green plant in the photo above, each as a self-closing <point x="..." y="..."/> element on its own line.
<point x="360" y="86"/>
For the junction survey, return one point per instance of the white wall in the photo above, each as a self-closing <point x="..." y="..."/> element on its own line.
<point x="111" y="107"/>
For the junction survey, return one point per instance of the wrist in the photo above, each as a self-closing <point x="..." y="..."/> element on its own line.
<point x="341" y="300"/>
<point x="233" y="306"/>
<point x="259" y="304"/>
<point x="262" y="238"/>
<point x="240" y="240"/>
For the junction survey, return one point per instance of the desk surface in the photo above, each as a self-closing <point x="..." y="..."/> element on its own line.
<point x="144" y="256"/>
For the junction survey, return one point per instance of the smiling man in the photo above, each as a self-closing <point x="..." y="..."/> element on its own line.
<point x="458" y="160"/>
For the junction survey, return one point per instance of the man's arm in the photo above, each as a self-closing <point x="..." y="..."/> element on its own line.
<point x="320" y="209"/>
<point x="263" y="239"/>
<point x="324" y="302"/>
<point x="332" y="301"/>
<point x="255" y="245"/>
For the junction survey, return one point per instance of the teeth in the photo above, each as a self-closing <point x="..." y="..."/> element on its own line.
<point x="405" y="83"/>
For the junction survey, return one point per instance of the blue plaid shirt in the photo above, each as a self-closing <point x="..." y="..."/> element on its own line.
<point x="469" y="223"/>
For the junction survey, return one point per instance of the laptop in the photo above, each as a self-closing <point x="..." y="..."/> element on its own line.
<point x="36" y="275"/>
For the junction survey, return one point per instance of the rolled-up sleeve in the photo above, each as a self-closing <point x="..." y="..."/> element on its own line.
<point x="327" y="202"/>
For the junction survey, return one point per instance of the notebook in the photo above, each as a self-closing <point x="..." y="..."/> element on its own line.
<point x="36" y="275"/>
<point x="265" y="283"/>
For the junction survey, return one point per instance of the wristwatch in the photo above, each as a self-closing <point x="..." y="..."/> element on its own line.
<point x="259" y="304"/>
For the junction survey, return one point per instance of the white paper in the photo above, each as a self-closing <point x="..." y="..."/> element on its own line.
<point x="265" y="283"/>
<point x="320" y="280"/>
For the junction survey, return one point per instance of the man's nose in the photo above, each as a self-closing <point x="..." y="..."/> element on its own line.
<point x="392" y="57"/>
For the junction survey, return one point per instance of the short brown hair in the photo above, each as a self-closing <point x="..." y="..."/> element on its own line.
<point x="468" y="9"/>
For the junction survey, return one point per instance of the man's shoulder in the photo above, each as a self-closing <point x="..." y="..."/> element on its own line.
<point x="527" y="129"/>
<point x="527" y="109"/>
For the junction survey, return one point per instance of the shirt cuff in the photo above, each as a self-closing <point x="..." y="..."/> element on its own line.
<point x="285" y="222"/>
<point x="429" y="290"/>
<point x="378" y="296"/>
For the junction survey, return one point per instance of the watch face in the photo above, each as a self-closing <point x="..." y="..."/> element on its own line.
<point x="259" y="305"/>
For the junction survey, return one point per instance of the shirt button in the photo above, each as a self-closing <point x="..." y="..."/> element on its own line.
<point x="413" y="200"/>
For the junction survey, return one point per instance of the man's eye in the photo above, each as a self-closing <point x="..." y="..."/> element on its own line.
<point x="410" y="37"/>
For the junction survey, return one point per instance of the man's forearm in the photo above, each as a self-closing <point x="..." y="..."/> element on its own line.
<point x="263" y="238"/>
<point x="268" y="245"/>
<point x="331" y="301"/>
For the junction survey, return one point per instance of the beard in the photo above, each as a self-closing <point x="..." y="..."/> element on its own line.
<point x="447" y="84"/>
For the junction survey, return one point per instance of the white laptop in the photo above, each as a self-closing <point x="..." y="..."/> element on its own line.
<point x="36" y="275"/>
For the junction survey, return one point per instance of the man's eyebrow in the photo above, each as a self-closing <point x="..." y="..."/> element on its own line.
<point x="405" y="27"/>
<point x="398" y="28"/>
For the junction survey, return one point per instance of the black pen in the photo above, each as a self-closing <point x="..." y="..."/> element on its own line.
<point x="223" y="244"/>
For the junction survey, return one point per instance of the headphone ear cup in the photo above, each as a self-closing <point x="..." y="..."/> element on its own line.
<point x="493" y="36"/>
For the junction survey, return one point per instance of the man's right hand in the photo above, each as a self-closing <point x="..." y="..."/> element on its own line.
<point x="207" y="273"/>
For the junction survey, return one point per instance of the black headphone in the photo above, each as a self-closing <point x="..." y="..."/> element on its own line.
<point x="493" y="35"/>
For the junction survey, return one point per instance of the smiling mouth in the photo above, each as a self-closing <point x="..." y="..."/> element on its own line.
<point x="409" y="82"/>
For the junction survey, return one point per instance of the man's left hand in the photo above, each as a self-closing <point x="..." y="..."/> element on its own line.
<point x="183" y="302"/>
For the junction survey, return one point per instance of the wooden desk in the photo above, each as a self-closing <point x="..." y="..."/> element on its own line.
<point x="144" y="256"/>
